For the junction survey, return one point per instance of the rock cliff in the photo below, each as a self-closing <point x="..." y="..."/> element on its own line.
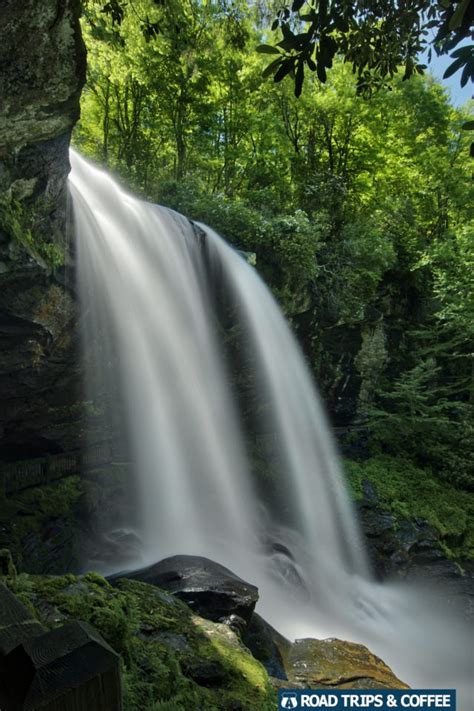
<point x="42" y="71"/>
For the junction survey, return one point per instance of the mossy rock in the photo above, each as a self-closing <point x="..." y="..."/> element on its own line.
<point x="39" y="525"/>
<point x="416" y="494"/>
<point x="334" y="663"/>
<point x="170" y="657"/>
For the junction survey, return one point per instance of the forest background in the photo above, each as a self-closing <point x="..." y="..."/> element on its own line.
<point x="359" y="211"/>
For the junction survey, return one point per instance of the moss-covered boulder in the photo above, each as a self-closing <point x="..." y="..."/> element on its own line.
<point x="171" y="658"/>
<point x="54" y="523"/>
<point x="268" y="646"/>
<point x="39" y="526"/>
<point x="175" y="660"/>
<point x="210" y="589"/>
<point x="337" y="664"/>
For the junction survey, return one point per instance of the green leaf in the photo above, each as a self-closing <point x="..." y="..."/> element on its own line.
<point x="271" y="69"/>
<point x="466" y="51"/>
<point x="267" y="49"/>
<point x="299" y="79"/>
<point x="468" y="126"/>
<point x="321" y="72"/>
<point x="285" y="69"/>
<point x="297" y="5"/>
<point x="458" y="17"/>
<point x="452" y="69"/>
<point x="288" y="44"/>
<point x="466" y="74"/>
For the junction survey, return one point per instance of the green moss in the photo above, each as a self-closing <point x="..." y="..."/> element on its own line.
<point x="411" y="492"/>
<point x="19" y="224"/>
<point x="26" y="513"/>
<point x="159" y="640"/>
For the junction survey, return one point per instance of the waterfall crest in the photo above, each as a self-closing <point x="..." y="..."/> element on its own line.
<point x="232" y="455"/>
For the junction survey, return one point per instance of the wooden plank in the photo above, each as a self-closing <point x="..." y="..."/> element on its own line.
<point x="70" y="668"/>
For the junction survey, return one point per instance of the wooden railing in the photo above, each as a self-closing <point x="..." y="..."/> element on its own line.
<point x="16" y="476"/>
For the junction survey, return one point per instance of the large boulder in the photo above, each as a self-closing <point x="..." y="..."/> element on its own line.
<point x="267" y="645"/>
<point x="317" y="663"/>
<point x="337" y="664"/>
<point x="176" y="656"/>
<point x="16" y="623"/>
<point x="210" y="590"/>
<point x="172" y="657"/>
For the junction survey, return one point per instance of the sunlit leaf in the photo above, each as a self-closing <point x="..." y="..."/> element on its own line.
<point x="267" y="49"/>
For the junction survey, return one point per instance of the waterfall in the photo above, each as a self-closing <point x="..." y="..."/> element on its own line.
<point x="232" y="456"/>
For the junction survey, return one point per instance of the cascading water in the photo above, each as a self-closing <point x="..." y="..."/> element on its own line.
<point x="155" y="288"/>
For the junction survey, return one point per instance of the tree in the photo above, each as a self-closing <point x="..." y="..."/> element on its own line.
<point x="360" y="212"/>
<point x="375" y="36"/>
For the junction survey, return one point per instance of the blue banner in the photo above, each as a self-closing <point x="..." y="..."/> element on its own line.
<point x="383" y="700"/>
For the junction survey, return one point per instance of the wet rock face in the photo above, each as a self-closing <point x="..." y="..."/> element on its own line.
<point x="411" y="550"/>
<point x="42" y="61"/>
<point x="211" y="590"/>
<point x="333" y="663"/>
<point x="42" y="71"/>
<point x="39" y="378"/>
<point x="267" y="645"/>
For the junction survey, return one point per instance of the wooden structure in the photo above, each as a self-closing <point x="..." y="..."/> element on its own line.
<point x="17" y="476"/>
<point x="69" y="668"/>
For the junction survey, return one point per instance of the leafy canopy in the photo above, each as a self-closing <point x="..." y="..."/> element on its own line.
<point x="375" y="36"/>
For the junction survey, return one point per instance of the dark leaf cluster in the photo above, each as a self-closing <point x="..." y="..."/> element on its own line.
<point x="376" y="36"/>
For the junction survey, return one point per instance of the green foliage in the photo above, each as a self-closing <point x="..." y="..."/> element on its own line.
<point x="411" y="492"/>
<point x="32" y="508"/>
<point x="377" y="39"/>
<point x="19" y="224"/>
<point x="285" y="245"/>
<point x="420" y="414"/>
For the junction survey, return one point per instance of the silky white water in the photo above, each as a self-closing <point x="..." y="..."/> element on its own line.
<point x="156" y="293"/>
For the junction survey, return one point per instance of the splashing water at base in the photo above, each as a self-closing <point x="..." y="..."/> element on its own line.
<point x="156" y="291"/>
